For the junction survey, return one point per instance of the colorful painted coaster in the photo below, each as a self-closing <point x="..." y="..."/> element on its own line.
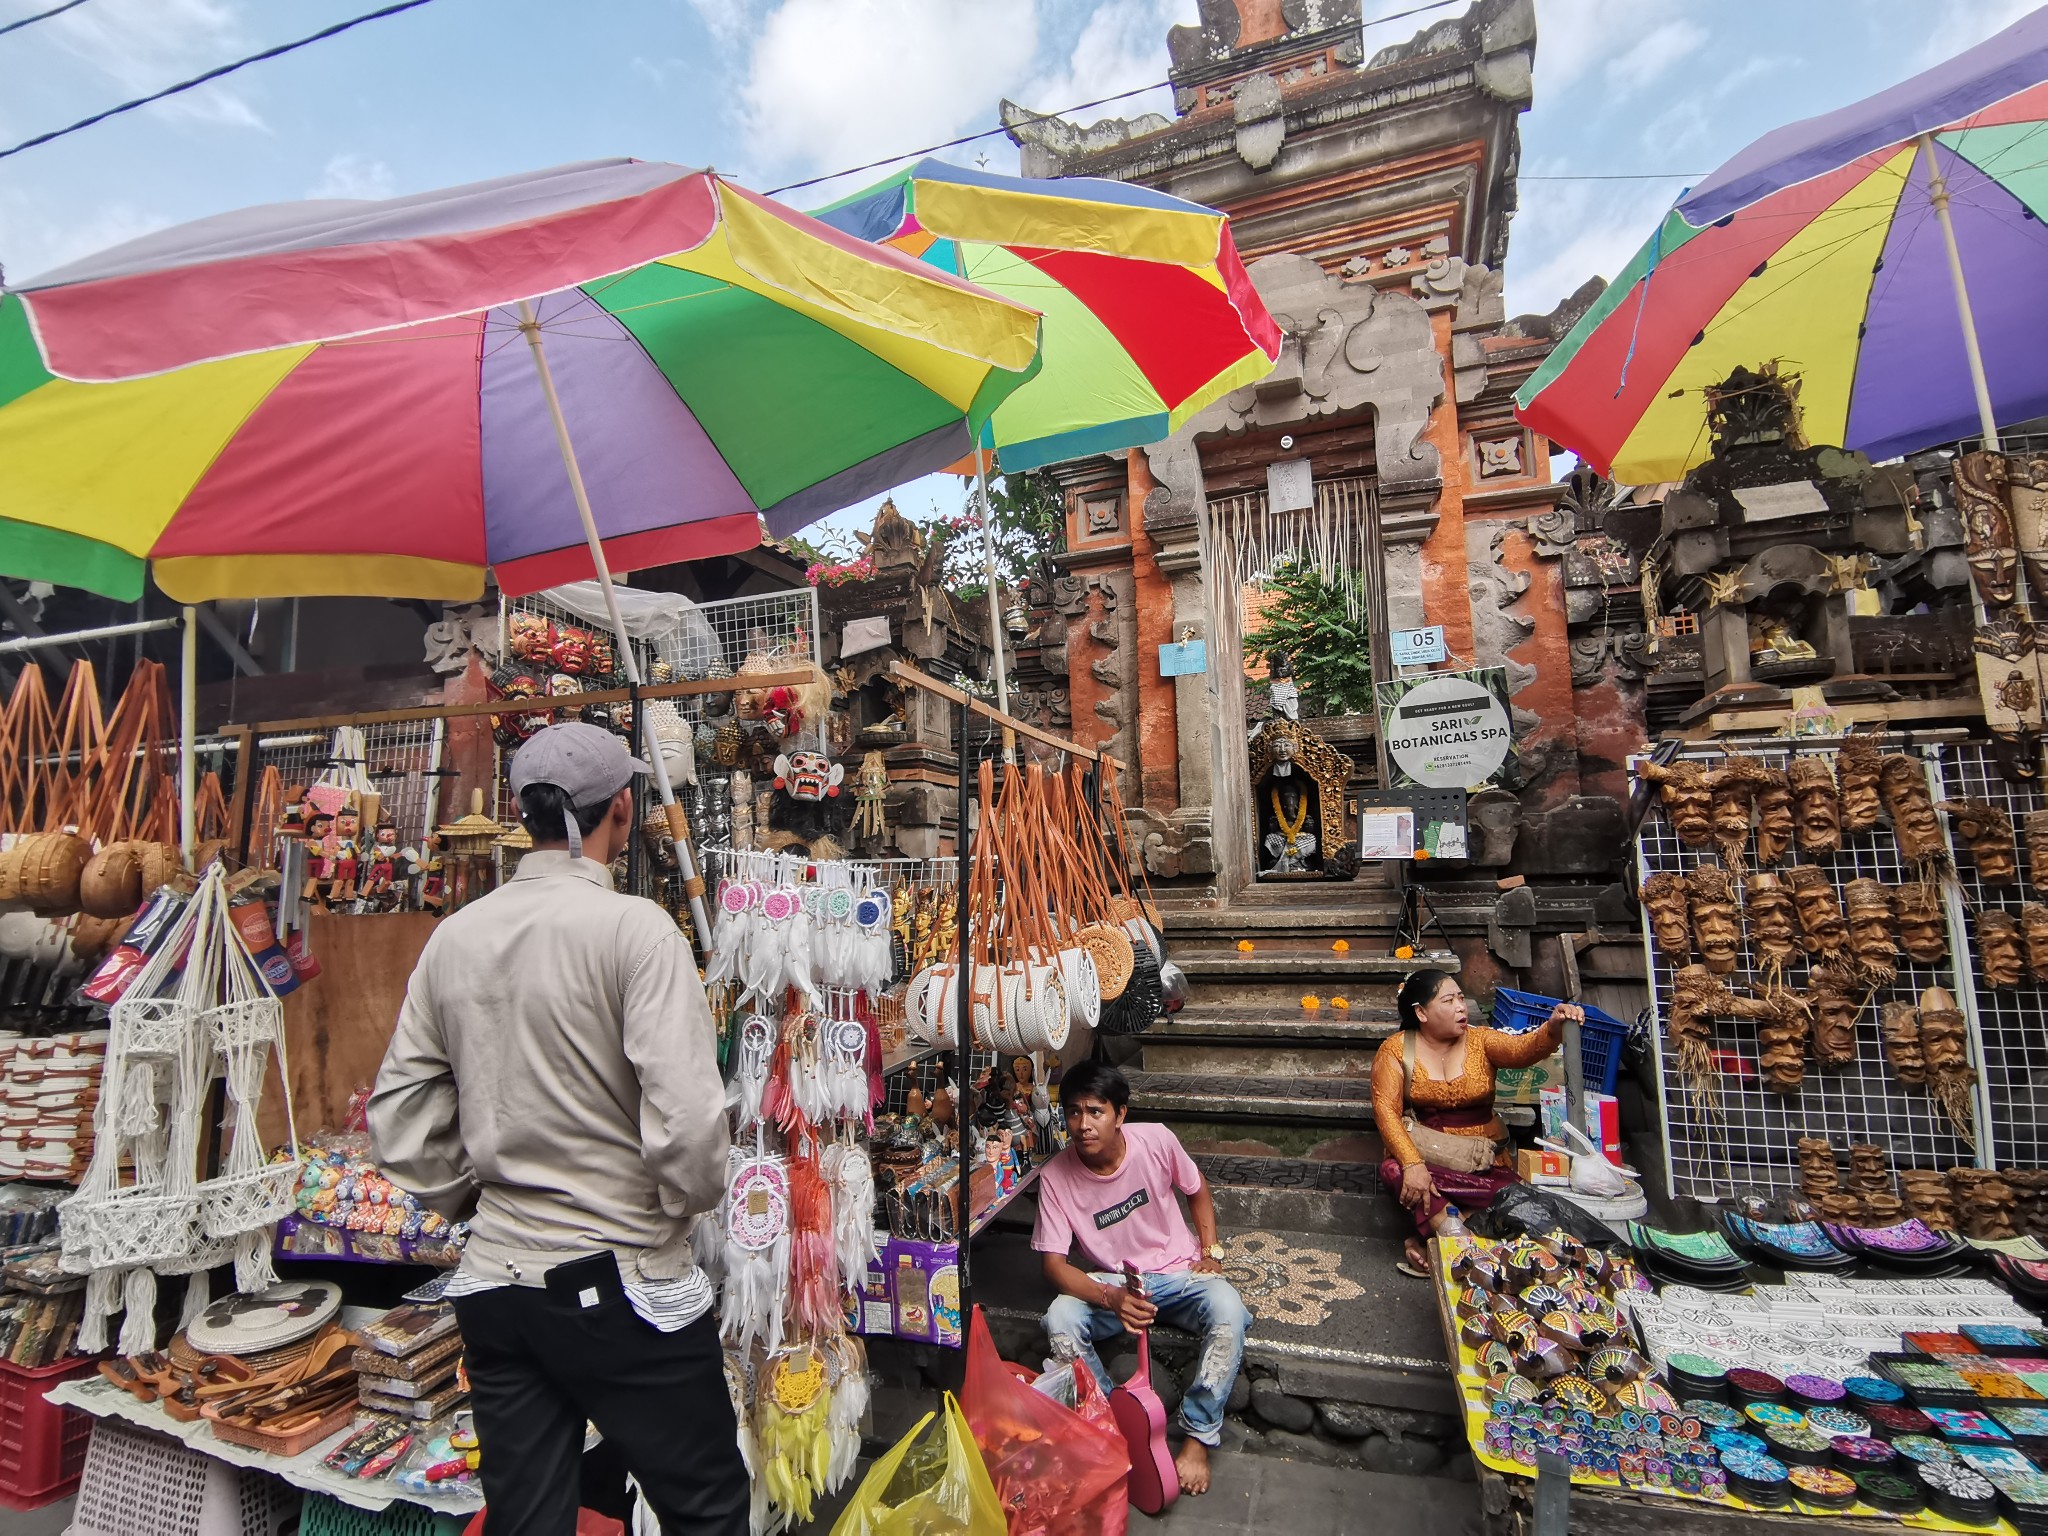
<point x="2001" y="1386"/>
<point x="1892" y="1420"/>
<point x="1874" y="1389"/>
<point x="1939" y="1344"/>
<point x="1822" y="1487"/>
<point x="1891" y="1493"/>
<point x="2023" y="1423"/>
<point x="1712" y="1414"/>
<point x="2000" y="1338"/>
<point x="1860" y="1453"/>
<point x="1923" y="1450"/>
<point x="1837" y="1421"/>
<point x="1815" y="1391"/>
<point x="1737" y="1440"/>
<point x="1756" y="1386"/>
<point x="1995" y="1461"/>
<point x="1774" y="1415"/>
<point x="1798" y="1446"/>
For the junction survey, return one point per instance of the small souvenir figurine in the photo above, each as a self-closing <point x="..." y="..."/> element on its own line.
<point x="390" y="869"/>
<point x="433" y="877"/>
<point x="870" y="819"/>
<point x="319" y="834"/>
<point x="346" y="869"/>
<point x="741" y="789"/>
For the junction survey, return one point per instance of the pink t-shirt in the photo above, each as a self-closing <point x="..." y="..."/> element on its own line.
<point x="1130" y="1215"/>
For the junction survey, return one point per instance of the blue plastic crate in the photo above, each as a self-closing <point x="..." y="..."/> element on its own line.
<point x="1600" y="1038"/>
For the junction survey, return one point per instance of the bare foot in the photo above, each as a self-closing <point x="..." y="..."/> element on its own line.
<point x="1416" y="1254"/>
<point x="1193" y="1466"/>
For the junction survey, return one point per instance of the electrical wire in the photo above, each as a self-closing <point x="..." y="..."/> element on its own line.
<point x="1046" y="117"/>
<point x="29" y="21"/>
<point x="212" y="74"/>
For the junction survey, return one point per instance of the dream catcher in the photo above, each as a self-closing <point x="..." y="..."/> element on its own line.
<point x="758" y="1036"/>
<point x="843" y="1063"/>
<point x="793" y="1431"/>
<point x="814" y="1262"/>
<point x="849" y="1373"/>
<point x="851" y="1178"/>
<point x="757" y="1247"/>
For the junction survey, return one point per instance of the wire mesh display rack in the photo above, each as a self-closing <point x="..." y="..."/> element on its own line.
<point x="714" y="641"/>
<point x="402" y="760"/>
<point x="1749" y="1142"/>
<point x="2012" y="1026"/>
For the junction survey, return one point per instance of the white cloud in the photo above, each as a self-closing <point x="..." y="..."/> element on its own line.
<point x="1572" y="36"/>
<point x="655" y="71"/>
<point x="1957" y="25"/>
<point x="145" y="45"/>
<point x="1653" y="55"/>
<point x="725" y="20"/>
<point x="37" y="243"/>
<point x="834" y="82"/>
<point x="354" y="176"/>
<point x="1122" y="46"/>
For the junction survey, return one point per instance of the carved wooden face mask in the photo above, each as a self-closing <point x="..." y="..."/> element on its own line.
<point x="808" y="775"/>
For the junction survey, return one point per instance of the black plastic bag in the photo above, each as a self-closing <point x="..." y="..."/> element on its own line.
<point x="1523" y="1210"/>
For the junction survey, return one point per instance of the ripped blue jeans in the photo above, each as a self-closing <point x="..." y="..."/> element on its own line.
<point x="1206" y="1305"/>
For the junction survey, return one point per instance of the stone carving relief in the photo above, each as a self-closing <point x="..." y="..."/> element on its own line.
<point x="1628" y="648"/>
<point x="1344" y="346"/>
<point x="1261" y="121"/>
<point x="1499" y="457"/>
<point x="461" y="631"/>
<point x="1556" y="533"/>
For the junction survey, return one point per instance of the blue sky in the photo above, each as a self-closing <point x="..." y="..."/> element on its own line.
<point x="772" y="91"/>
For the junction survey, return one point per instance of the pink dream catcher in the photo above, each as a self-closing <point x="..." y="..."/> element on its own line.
<point x="757" y="1242"/>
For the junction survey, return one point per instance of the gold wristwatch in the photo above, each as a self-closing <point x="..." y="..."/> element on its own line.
<point x="1214" y="1251"/>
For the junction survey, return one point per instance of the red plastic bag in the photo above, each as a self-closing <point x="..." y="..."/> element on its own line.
<point x="1056" y="1473"/>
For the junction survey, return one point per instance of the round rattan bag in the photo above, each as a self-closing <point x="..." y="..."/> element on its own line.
<point x="51" y="863"/>
<point x="1137" y="1009"/>
<point x="10" y="879"/>
<point x="111" y="884"/>
<point x="1111" y="947"/>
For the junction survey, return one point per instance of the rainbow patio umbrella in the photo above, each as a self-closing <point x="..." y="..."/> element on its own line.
<point x="344" y="397"/>
<point x="1149" y="314"/>
<point x="1846" y="248"/>
<point x="387" y="398"/>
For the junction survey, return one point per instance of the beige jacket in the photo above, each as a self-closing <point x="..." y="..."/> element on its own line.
<point x="555" y="1067"/>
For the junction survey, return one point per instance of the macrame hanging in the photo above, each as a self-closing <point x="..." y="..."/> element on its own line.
<point x="1247" y="539"/>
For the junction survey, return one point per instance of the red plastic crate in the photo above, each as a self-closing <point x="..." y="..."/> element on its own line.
<point x="42" y="1446"/>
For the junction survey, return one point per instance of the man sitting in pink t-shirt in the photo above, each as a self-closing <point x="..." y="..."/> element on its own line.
<point x="1111" y="1192"/>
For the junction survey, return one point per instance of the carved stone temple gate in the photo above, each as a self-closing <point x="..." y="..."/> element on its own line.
<point x="1371" y="198"/>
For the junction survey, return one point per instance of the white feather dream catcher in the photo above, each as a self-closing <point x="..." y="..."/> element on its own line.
<point x="757" y="1238"/>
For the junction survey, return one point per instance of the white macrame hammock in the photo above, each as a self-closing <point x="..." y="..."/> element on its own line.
<point x="171" y="1033"/>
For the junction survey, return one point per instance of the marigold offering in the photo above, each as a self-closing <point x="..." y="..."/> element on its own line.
<point x="1311" y="1002"/>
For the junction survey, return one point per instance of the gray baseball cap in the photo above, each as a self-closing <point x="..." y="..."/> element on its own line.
<point x="585" y="762"/>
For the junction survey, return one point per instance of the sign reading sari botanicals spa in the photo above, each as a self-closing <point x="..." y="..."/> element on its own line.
<point x="1450" y="730"/>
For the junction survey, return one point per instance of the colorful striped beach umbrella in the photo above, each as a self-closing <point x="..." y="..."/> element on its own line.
<point x="344" y="398"/>
<point x="1149" y="315"/>
<point x="1821" y="248"/>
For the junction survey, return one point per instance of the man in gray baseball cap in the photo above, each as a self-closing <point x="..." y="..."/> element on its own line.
<point x="554" y="1080"/>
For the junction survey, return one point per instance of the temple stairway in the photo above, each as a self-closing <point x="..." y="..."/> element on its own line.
<point x="1274" y="1102"/>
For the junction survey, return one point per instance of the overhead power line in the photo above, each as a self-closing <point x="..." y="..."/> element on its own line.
<point x="211" y="75"/>
<point x="29" y="21"/>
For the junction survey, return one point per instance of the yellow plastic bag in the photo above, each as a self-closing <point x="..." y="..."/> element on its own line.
<point x="931" y="1483"/>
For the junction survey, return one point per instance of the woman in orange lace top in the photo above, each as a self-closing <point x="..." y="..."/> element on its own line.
<point x="1448" y="1089"/>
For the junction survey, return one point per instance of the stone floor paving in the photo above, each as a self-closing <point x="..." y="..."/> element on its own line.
<point x="1265" y="1494"/>
<point x="1290" y="1173"/>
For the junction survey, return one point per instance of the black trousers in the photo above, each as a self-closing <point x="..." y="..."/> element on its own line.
<point x="539" y="1367"/>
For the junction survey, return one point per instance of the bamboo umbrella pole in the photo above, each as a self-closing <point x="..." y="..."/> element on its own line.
<point x="1937" y="194"/>
<point x="678" y="822"/>
<point x="995" y="607"/>
<point x="188" y="736"/>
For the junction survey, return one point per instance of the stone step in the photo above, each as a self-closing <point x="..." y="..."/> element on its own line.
<point x="1268" y="1042"/>
<point x="1301" y="1194"/>
<point x="1179" y="1096"/>
<point x="1334" y="1323"/>
<point x="1203" y="961"/>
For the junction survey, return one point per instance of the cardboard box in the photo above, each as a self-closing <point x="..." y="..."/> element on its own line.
<point x="1525" y="1085"/>
<point x="1535" y="1163"/>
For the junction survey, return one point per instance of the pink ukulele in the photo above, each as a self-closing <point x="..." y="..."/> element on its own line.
<point x="1141" y="1417"/>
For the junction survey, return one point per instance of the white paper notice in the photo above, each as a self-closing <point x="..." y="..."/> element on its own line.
<point x="1386" y="835"/>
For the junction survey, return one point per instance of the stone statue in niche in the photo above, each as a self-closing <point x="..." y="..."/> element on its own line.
<point x="1298" y="785"/>
<point x="1282" y="690"/>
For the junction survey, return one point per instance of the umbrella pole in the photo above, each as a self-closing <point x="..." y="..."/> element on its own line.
<point x="1937" y="194"/>
<point x="188" y="736"/>
<point x="995" y="607"/>
<point x="678" y="821"/>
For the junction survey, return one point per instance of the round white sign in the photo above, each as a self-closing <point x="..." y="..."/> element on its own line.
<point x="1449" y="733"/>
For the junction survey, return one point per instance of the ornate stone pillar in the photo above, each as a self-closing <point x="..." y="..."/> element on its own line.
<point x="1177" y="548"/>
